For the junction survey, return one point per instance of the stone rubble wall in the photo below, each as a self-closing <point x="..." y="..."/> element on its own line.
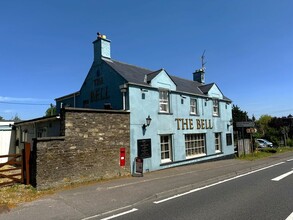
<point x="89" y="150"/>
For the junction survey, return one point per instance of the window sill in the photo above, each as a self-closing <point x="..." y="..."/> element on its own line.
<point x="190" y="159"/>
<point x="195" y="156"/>
<point x="165" y="113"/>
<point x="166" y="161"/>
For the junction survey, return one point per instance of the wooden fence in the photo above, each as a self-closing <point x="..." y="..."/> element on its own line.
<point x="16" y="169"/>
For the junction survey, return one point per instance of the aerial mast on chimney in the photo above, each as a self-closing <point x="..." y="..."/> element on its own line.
<point x="198" y="75"/>
<point x="202" y="61"/>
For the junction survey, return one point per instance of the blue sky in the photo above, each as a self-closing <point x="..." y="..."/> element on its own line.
<point x="46" y="47"/>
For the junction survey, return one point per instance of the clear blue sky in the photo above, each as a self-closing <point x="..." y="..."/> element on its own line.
<point x="46" y="47"/>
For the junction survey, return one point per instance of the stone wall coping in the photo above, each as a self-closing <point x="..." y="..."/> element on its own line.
<point x="70" y="109"/>
<point x="43" y="139"/>
<point x="37" y="120"/>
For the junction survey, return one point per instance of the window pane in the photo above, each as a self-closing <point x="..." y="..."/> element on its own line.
<point x="195" y="144"/>
<point x="229" y="139"/>
<point x="166" y="148"/>
<point x="193" y="106"/>
<point x="164" y="101"/>
<point x="218" y="141"/>
<point x="215" y="107"/>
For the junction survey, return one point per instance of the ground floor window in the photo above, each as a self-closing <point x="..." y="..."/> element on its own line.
<point x="166" y="148"/>
<point x="195" y="145"/>
<point x="229" y="139"/>
<point x="218" y="144"/>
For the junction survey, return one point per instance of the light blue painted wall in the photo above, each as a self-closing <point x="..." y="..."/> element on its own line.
<point x="103" y="78"/>
<point x="162" y="80"/>
<point x="215" y="92"/>
<point x="166" y="124"/>
<point x="100" y="86"/>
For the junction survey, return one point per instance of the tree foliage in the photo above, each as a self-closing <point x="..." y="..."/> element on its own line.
<point x="51" y="110"/>
<point x="238" y="115"/>
<point x="263" y="124"/>
<point x="16" y="118"/>
<point x="276" y="129"/>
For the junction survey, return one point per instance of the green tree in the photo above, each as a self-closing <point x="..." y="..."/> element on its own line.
<point x="1" y="118"/>
<point x="51" y="110"/>
<point x="238" y="115"/>
<point x="16" y="118"/>
<point x="263" y="124"/>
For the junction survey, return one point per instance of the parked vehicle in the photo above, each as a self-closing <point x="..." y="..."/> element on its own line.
<point x="262" y="143"/>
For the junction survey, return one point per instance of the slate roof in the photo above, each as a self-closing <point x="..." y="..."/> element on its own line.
<point x="134" y="74"/>
<point x="152" y="75"/>
<point x="189" y="86"/>
<point x="141" y="76"/>
<point x="130" y="73"/>
<point x="206" y="88"/>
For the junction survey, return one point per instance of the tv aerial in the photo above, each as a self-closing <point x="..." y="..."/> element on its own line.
<point x="203" y="62"/>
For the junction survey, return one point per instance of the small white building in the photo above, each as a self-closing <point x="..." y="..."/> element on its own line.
<point x="7" y="139"/>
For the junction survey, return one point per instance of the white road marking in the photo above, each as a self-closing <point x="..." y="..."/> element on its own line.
<point x="120" y="214"/>
<point x="282" y="176"/>
<point x="290" y="217"/>
<point x="106" y="213"/>
<point x="156" y="178"/>
<point x="149" y="180"/>
<point x="217" y="183"/>
<point x="289" y="160"/>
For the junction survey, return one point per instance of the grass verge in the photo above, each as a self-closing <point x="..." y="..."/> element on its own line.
<point x="14" y="195"/>
<point x="265" y="152"/>
<point x="10" y="196"/>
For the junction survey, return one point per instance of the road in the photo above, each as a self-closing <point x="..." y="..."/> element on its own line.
<point x="265" y="193"/>
<point x="225" y="189"/>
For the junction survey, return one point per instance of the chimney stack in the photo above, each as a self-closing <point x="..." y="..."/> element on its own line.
<point x="198" y="75"/>
<point x="102" y="47"/>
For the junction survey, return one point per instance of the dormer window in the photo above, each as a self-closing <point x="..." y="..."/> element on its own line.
<point x="215" y="107"/>
<point x="164" y="101"/>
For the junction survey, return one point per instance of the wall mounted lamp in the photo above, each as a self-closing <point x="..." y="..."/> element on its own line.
<point x="148" y="122"/>
<point x="230" y="123"/>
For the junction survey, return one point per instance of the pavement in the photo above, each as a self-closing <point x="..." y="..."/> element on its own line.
<point x="106" y="198"/>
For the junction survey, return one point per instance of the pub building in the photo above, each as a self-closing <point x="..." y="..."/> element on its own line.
<point x="173" y="121"/>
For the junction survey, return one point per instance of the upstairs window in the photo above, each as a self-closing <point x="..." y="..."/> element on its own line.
<point x="215" y="107"/>
<point x="164" y="101"/>
<point x="193" y="106"/>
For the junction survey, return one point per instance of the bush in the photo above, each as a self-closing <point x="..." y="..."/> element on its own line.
<point x="268" y="150"/>
<point x="290" y="142"/>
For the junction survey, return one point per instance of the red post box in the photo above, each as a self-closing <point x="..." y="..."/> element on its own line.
<point x="122" y="156"/>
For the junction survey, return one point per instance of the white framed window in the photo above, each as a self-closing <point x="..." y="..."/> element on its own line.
<point x="195" y="145"/>
<point x="166" y="148"/>
<point x="218" y="143"/>
<point x="193" y="106"/>
<point x="24" y="135"/>
<point x="164" y="101"/>
<point x="215" y="107"/>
